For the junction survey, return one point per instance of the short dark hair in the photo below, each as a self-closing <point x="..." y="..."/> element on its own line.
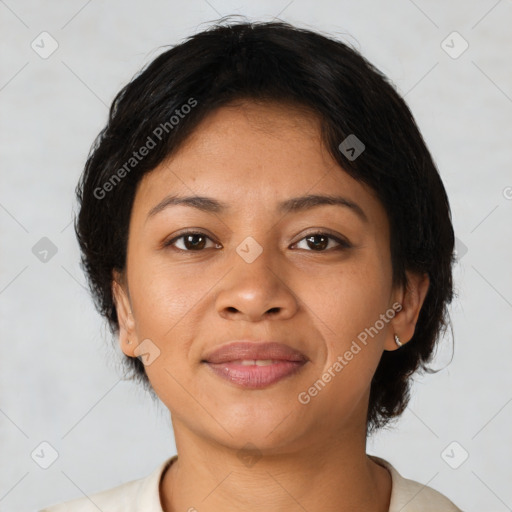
<point x="275" y="61"/>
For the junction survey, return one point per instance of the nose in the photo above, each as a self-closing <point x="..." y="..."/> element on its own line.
<point x="256" y="291"/>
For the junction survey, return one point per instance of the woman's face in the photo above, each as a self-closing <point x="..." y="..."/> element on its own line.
<point x="255" y="273"/>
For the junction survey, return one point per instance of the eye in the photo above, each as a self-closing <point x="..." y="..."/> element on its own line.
<point x="193" y="241"/>
<point x="196" y="241"/>
<point x="319" y="242"/>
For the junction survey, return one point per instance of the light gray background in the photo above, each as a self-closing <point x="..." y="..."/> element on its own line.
<point x="58" y="378"/>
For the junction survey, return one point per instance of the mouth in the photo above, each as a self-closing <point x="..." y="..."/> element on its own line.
<point x="255" y="365"/>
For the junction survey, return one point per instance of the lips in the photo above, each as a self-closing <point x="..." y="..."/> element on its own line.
<point x="255" y="364"/>
<point x="240" y="350"/>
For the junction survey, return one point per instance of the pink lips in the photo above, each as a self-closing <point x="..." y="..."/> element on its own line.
<point x="255" y="364"/>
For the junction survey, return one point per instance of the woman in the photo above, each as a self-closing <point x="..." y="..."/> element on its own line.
<point x="268" y="237"/>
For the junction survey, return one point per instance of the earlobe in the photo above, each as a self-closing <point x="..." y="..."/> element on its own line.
<point x="403" y="324"/>
<point x="127" y="334"/>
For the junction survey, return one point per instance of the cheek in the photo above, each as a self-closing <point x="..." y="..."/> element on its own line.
<point x="355" y="296"/>
<point x="169" y="309"/>
<point x="164" y="306"/>
<point x="351" y="322"/>
<point x="162" y="296"/>
<point x="353" y="348"/>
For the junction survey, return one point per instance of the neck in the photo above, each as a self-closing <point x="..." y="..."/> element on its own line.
<point x="329" y="474"/>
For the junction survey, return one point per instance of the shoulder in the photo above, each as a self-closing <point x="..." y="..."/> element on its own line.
<point x="411" y="496"/>
<point x="142" y="494"/>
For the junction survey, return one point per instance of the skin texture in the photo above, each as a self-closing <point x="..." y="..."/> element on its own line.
<point x="312" y="456"/>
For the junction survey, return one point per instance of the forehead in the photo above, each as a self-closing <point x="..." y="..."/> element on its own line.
<point x="248" y="154"/>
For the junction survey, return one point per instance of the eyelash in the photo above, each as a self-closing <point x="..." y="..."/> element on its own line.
<point x="343" y="244"/>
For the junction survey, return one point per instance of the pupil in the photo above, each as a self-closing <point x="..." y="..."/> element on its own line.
<point x="192" y="245"/>
<point x="324" y="242"/>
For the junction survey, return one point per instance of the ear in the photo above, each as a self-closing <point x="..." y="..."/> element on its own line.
<point x="127" y="335"/>
<point x="411" y="297"/>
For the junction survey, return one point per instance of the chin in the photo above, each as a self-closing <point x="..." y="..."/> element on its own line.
<point x="268" y="427"/>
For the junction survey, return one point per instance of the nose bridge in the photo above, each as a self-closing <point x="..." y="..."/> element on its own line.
<point x="256" y="283"/>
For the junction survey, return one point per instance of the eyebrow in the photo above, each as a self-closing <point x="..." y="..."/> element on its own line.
<point x="293" y="205"/>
